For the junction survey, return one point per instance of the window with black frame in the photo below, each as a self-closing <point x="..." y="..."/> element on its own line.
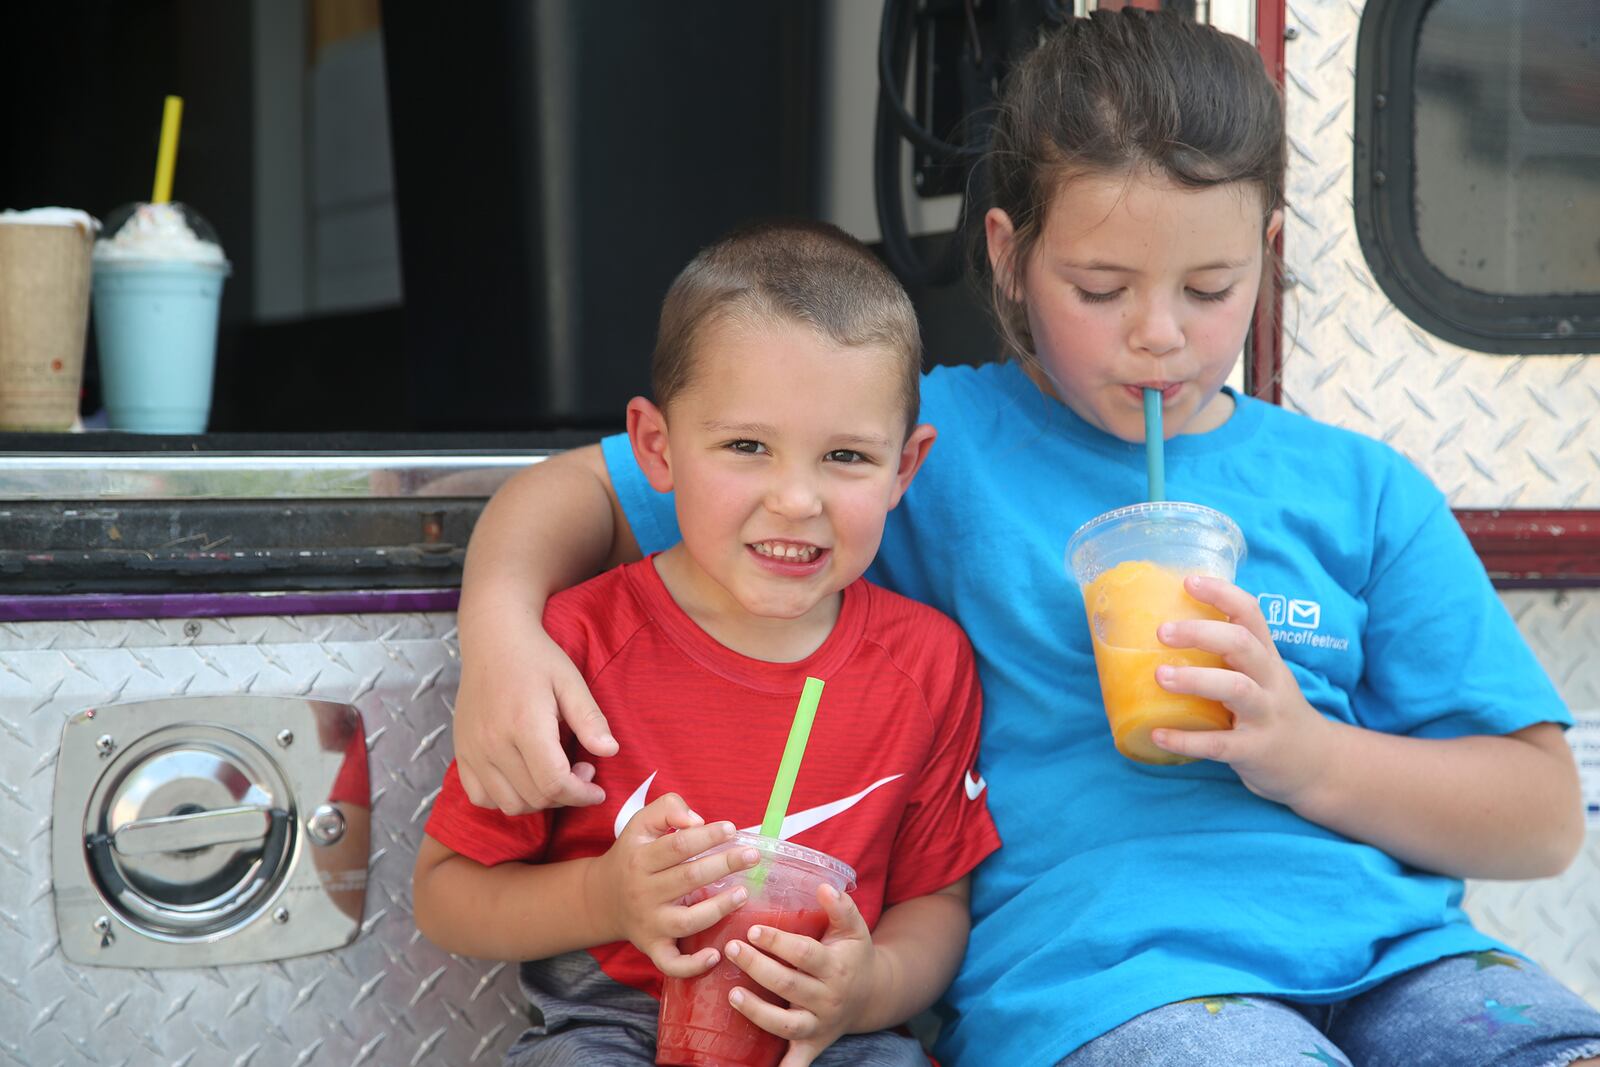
<point x="1477" y="177"/>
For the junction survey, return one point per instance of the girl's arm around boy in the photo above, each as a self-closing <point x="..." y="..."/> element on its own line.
<point x="511" y="758"/>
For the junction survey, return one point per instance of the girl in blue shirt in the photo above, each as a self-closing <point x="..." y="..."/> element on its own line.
<point x="1295" y="893"/>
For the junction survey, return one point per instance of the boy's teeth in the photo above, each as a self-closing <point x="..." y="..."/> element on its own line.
<point x="797" y="553"/>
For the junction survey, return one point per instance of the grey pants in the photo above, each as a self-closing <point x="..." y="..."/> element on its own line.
<point x="606" y="1045"/>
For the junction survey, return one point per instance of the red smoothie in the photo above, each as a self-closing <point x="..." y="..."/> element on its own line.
<point x="698" y="1027"/>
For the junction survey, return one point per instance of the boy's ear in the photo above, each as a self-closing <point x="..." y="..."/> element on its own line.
<point x="647" y="433"/>
<point x="912" y="453"/>
<point x="997" y="234"/>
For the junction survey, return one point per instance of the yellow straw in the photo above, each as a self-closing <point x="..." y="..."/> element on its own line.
<point x="167" y="156"/>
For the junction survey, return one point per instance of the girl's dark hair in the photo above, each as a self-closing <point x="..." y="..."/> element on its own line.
<point x="1122" y="92"/>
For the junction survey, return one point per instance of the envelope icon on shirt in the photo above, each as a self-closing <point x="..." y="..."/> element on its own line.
<point x="1305" y="614"/>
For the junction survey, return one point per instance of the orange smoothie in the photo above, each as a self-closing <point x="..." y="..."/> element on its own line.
<point x="1125" y="605"/>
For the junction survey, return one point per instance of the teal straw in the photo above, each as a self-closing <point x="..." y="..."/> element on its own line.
<point x="1154" y="446"/>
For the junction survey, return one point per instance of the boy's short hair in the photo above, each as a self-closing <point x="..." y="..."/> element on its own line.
<point x="809" y="273"/>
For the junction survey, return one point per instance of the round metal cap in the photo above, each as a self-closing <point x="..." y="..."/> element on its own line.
<point x="188" y="832"/>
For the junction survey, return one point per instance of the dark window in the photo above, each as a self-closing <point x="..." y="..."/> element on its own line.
<point x="1477" y="179"/>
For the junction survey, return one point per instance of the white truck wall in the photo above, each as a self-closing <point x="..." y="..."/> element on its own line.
<point x="1492" y="431"/>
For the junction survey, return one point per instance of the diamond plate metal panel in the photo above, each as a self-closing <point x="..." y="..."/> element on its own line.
<point x="1555" y="920"/>
<point x="388" y="998"/>
<point x="1492" y="431"/>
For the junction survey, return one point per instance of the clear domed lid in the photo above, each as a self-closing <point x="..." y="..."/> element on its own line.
<point x="170" y="231"/>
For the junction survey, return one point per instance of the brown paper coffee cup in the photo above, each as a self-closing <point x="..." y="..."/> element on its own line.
<point x="44" y="314"/>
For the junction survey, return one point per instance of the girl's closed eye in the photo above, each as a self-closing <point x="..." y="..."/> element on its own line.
<point x="1090" y="296"/>
<point x="1215" y="296"/>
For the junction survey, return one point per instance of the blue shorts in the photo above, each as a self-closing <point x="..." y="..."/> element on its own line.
<point x="1487" y="1008"/>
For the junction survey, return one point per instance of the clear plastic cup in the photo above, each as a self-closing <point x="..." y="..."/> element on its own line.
<point x="158" y="275"/>
<point x="1130" y="564"/>
<point x="698" y="1027"/>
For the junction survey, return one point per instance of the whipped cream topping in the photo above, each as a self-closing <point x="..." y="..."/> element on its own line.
<point x="158" y="231"/>
<point x="51" y="216"/>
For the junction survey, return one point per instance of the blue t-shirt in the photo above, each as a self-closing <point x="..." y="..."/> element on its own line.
<point x="1123" y="887"/>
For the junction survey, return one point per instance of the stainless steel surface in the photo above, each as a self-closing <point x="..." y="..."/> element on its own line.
<point x="388" y="997"/>
<point x="1556" y="921"/>
<point x="326" y="825"/>
<point x="1492" y="431"/>
<point x="220" y="476"/>
<point x="188" y="838"/>
<point x="104" y="809"/>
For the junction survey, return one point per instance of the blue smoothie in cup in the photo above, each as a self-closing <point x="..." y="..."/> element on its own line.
<point x="158" y="278"/>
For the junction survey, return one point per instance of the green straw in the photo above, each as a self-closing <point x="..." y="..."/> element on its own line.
<point x="788" y="770"/>
<point x="1154" y="446"/>
<point x="789" y="766"/>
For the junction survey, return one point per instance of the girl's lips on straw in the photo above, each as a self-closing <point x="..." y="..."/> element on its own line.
<point x="1168" y="390"/>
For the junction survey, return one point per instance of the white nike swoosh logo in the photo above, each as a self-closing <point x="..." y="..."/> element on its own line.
<point x="632" y="806"/>
<point x="793" y="823"/>
<point x="974" y="786"/>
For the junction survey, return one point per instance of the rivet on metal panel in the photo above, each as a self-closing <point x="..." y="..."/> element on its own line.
<point x="280" y="916"/>
<point x="1379" y="177"/>
<point x="432" y="527"/>
<point x="191" y="629"/>
<point x="1380" y="101"/>
<point x="1564" y="328"/>
<point x="326" y="825"/>
<point x="285" y="738"/>
<point x="102" y="926"/>
<point x="1290" y="33"/>
<point x="1290" y="279"/>
<point x="433" y="533"/>
<point x="105" y="744"/>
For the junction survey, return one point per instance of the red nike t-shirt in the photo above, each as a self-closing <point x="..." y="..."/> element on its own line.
<point x="889" y="783"/>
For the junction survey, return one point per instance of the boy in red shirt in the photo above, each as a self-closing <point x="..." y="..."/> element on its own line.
<point x="786" y="379"/>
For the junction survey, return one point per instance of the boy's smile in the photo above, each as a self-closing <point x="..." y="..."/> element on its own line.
<point x="785" y="452"/>
<point x="789" y="557"/>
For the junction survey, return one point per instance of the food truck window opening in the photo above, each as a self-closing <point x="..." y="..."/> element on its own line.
<point x="1477" y="168"/>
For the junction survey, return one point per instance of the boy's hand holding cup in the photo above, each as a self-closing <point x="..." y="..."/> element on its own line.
<point x="740" y="1013"/>
<point x="825" y="982"/>
<point x="640" y="885"/>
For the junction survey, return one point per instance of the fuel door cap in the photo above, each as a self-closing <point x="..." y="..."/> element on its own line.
<point x="188" y="835"/>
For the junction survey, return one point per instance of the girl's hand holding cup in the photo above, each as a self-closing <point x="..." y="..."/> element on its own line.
<point x="1278" y="743"/>
<point x="639" y="886"/>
